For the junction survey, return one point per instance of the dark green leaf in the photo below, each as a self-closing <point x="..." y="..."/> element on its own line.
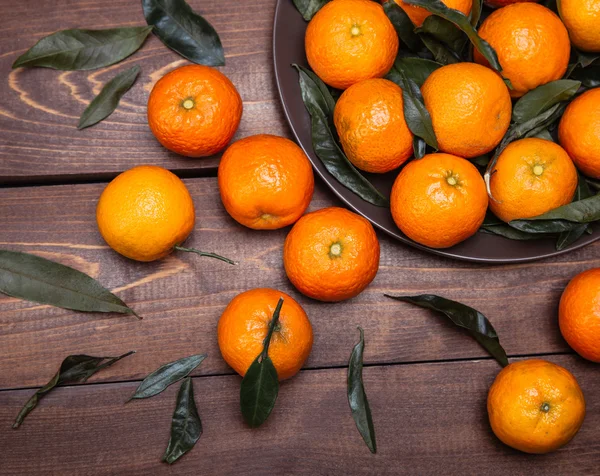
<point x="357" y="398"/>
<point x="404" y="27"/>
<point x="186" y="426"/>
<point x="440" y="52"/>
<point x="582" y="211"/>
<point x="438" y="8"/>
<point x="445" y="32"/>
<point x="167" y="375"/>
<point x="419" y="147"/>
<point x="589" y="77"/>
<point x="543" y="226"/>
<point x="586" y="59"/>
<point x="417" y="69"/>
<point x="544" y="134"/>
<point x="308" y="8"/>
<point x="481" y="160"/>
<point x="567" y="238"/>
<point x="83" y="49"/>
<point x="184" y="31"/>
<point x="320" y="104"/>
<point x="543" y="98"/>
<point x="511" y="233"/>
<point x="476" y="13"/>
<point x="476" y="324"/>
<point x="75" y="368"/>
<point x="107" y="101"/>
<point x="260" y="385"/>
<point x="30" y="277"/>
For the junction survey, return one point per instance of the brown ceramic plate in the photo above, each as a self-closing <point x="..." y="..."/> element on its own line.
<point x="288" y="48"/>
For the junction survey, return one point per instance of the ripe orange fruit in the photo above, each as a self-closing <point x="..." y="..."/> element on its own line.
<point x="503" y="3"/>
<point x="418" y="14"/>
<point x="144" y="212"/>
<point x="535" y="406"/>
<point x="531" y="42"/>
<point x="439" y="200"/>
<point x="194" y="110"/>
<point x="579" y="314"/>
<point x="244" y="324"/>
<point x="470" y="108"/>
<point x="331" y="254"/>
<point x="350" y="40"/>
<point x="369" y="118"/>
<point x="579" y="132"/>
<point x="532" y="176"/>
<point x="266" y="182"/>
<point x="582" y="17"/>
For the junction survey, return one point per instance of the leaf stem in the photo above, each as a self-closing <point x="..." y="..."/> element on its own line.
<point x="272" y="326"/>
<point x="204" y="253"/>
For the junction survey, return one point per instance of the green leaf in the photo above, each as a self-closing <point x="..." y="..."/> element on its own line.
<point x="589" y="77"/>
<point x="445" y="32"/>
<point x="476" y="324"/>
<point x="511" y="233"/>
<point x="440" y="52"/>
<point x="167" y="375"/>
<point x="357" y="398"/>
<point x="567" y="238"/>
<point x="320" y="105"/>
<point x="403" y="26"/>
<point x="107" y="101"/>
<point x="419" y="147"/>
<point x="461" y="21"/>
<point x="476" y="12"/>
<point x="83" y="49"/>
<point x="184" y="31"/>
<point x="582" y="211"/>
<point x="308" y="8"/>
<point x="542" y="98"/>
<point x="186" y="426"/>
<point x="544" y="134"/>
<point x="32" y="278"/>
<point x="416" y="69"/>
<point x="75" y="368"/>
<point x="260" y="385"/>
<point x="543" y="227"/>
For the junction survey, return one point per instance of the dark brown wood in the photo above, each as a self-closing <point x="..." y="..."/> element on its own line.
<point x="429" y="419"/>
<point x="181" y="297"/>
<point x="40" y="108"/>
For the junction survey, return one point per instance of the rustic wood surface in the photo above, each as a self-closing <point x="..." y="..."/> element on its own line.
<point x="426" y="381"/>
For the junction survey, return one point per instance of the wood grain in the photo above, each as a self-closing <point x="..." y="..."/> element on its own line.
<point x="40" y="108"/>
<point x="429" y="419"/>
<point x="182" y="297"/>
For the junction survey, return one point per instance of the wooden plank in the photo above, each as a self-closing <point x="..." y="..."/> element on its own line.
<point x="429" y="419"/>
<point x="40" y="108"/>
<point x="182" y="297"/>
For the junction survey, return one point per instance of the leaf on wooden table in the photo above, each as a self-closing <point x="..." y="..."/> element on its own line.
<point x="186" y="427"/>
<point x="542" y="98"/>
<point x="357" y="398"/>
<point x="184" y="31"/>
<point x="166" y="375"/>
<point x="107" y="101"/>
<point x="29" y="277"/>
<point x="403" y="26"/>
<point x="75" y="368"/>
<point x="308" y="8"/>
<point x="476" y="324"/>
<point x="260" y="385"/>
<point x="84" y="49"/>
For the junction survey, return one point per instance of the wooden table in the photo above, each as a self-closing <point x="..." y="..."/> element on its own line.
<point x="426" y="381"/>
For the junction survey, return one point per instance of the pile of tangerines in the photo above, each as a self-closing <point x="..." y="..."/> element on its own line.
<point x="266" y="182"/>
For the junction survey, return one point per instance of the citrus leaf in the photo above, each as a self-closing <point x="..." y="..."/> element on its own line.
<point x="445" y="32"/>
<point x="476" y="324"/>
<point x="320" y="105"/>
<point x="166" y="375"/>
<point x="544" y="134"/>
<point x="544" y="227"/>
<point x="441" y="53"/>
<point x="75" y="368"/>
<point x="403" y="26"/>
<point x="83" y="49"/>
<point x="567" y="238"/>
<point x="582" y="211"/>
<point x="107" y="101"/>
<point x="184" y="31"/>
<point x="357" y="398"/>
<point x="543" y="98"/>
<point x="308" y="8"/>
<point x="476" y="13"/>
<point x="461" y="21"/>
<point x="260" y="385"/>
<point x="511" y="233"/>
<point x="589" y="77"/>
<point x="186" y="427"/>
<point x="417" y="69"/>
<point x="419" y="147"/>
<point x="32" y="278"/>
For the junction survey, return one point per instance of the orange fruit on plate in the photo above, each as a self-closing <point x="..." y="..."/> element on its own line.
<point x="532" y="44"/>
<point x="369" y="118"/>
<point x="439" y="200"/>
<point x="418" y="14"/>
<point x="331" y="254"/>
<point x="503" y="3"/>
<point x="582" y="17"/>
<point x="244" y="324"/>
<point x="579" y="314"/>
<point x="194" y="110"/>
<point x="144" y="212"/>
<point x="266" y="182"/>
<point x="535" y="406"/>
<point x="348" y="41"/>
<point x="579" y="132"/>
<point x="531" y="177"/>
<point x="470" y="108"/>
